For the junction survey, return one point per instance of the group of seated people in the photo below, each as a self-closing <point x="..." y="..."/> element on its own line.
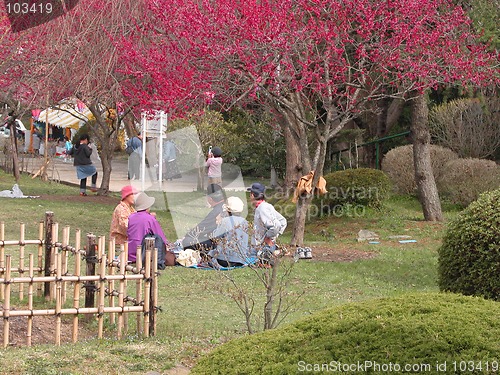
<point x="222" y="237"/>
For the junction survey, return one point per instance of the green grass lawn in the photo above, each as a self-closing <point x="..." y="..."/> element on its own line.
<point x="196" y="313"/>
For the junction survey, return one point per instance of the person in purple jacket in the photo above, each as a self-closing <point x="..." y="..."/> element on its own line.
<point x="141" y="223"/>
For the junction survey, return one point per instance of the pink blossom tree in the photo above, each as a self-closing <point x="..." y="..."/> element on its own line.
<point x="319" y="63"/>
<point x="72" y="56"/>
<point x="15" y="96"/>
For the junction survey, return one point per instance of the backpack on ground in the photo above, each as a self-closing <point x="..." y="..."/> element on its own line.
<point x="165" y="257"/>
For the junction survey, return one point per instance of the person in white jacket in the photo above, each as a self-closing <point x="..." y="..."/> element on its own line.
<point x="268" y="223"/>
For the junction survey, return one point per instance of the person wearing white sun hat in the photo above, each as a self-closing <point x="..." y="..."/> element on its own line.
<point x="231" y="235"/>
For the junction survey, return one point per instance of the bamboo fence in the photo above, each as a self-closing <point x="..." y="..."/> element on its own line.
<point x="104" y="282"/>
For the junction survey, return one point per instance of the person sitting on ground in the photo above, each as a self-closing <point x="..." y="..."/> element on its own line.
<point x="231" y="236"/>
<point x="142" y="223"/>
<point x="268" y="223"/>
<point x="214" y="166"/>
<point x="119" y="220"/>
<point x="199" y="238"/>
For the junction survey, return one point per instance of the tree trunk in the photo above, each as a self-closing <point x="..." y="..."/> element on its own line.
<point x="303" y="203"/>
<point x="106" y="173"/>
<point x="379" y="123"/>
<point x="293" y="160"/>
<point x="271" y="277"/>
<point x="300" y="219"/>
<point x="424" y="178"/>
<point x="13" y="142"/>
<point x="105" y="130"/>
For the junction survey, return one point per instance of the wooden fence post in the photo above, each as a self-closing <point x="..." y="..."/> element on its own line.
<point x="2" y="254"/>
<point x="150" y="270"/>
<point x="49" y="220"/>
<point x="6" y="303"/>
<point x="91" y="260"/>
<point x="153" y="307"/>
<point x="150" y="243"/>
<point x="21" y="260"/>
<point x="55" y="279"/>
<point x="121" y="295"/>
<point x="30" y="300"/>
<point x="40" y="257"/>
<point x="111" y="283"/>
<point x="76" y="290"/>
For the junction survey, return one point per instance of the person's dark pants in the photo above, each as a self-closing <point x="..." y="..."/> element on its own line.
<point x="224" y="263"/>
<point x="203" y="247"/>
<point x="83" y="183"/>
<point x="134" y="166"/>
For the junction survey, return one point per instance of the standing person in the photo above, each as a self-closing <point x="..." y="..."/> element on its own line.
<point x="134" y="144"/>
<point x="231" y="236"/>
<point x="36" y="142"/>
<point x="67" y="148"/>
<point x="119" y="220"/>
<point x="214" y="166"/>
<point x="171" y="169"/>
<point x="268" y="223"/>
<point x="84" y="167"/>
<point x="142" y="223"/>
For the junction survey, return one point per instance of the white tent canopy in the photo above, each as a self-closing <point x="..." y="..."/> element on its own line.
<point x="20" y="126"/>
<point x="65" y="116"/>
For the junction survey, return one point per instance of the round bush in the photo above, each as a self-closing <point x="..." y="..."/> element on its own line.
<point x="469" y="258"/>
<point x="425" y="329"/>
<point x="398" y="165"/>
<point x="464" y="179"/>
<point x="362" y="186"/>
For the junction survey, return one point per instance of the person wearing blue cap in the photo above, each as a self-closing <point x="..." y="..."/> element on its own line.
<point x="268" y="223"/>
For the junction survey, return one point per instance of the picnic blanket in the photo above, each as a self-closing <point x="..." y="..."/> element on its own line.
<point x="210" y="266"/>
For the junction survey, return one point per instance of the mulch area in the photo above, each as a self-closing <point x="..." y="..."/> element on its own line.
<point x="337" y="254"/>
<point x="325" y="254"/>
<point x="43" y="330"/>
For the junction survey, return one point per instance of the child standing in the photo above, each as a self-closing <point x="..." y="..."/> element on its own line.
<point x="67" y="149"/>
<point x="214" y="165"/>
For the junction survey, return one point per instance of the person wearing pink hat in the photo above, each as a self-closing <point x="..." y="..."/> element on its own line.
<point x="119" y="221"/>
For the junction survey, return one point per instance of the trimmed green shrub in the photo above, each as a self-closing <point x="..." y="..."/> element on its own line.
<point x="398" y="165"/>
<point x="464" y="179"/>
<point x="468" y="126"/>
<point x="412" y="333"/>
<point x="362" y="186"/>
<point x="469" y="258"/>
